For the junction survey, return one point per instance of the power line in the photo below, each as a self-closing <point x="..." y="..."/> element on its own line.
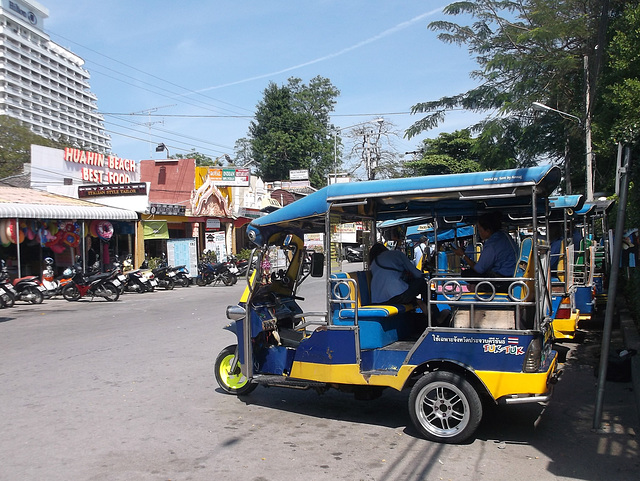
<point x="189" y="91"/>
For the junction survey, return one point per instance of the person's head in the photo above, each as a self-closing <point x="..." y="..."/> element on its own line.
<point x="423" y="240"/>
<point x="376" y="249"/>
<point x="488" y="224"/>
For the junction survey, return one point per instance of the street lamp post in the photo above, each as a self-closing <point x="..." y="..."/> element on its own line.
<point x="162" y="147"/>
<point x="335" y="144"/>
<point x="589" y="153"/>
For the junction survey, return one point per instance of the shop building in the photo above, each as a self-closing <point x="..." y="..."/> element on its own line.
<point x="35" y="224"/>
<point x="209" y="204"/>
<point x="107" y="185"/>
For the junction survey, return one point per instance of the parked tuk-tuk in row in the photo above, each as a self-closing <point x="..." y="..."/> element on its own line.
<point x="496" y="346"/>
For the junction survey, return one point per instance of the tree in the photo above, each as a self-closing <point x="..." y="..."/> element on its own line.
<point x="15" y="145"/>
<point x="446" y="154"/>
<point x="242" y="152"/>
<point x="291" y="130"/>
<point x="203" y="160"/>
<point x="373" y="155"/>
<point x="527" y="50"/>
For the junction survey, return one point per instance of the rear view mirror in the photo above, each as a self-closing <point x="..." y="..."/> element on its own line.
<point x="317" y="264"/>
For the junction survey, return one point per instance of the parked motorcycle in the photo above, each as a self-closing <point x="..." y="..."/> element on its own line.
<point x="209" y="273"/>
<point x="146" y="272"/>
<point x="181" y="276"/>
<point x="233" y="269"/>
<point x="136" y="282"/>
<point x="29" y="289"/>
<point x="164" y="274"/>
<point x="98" y="285"/>
<point x="8" y="294"/>
<point x="53" y="285"/>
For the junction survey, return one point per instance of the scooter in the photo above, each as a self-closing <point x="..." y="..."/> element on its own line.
<point x="135" y="282"/>
<point x="8" y="294"/>
<point x="29" y="289"/>
<point x="53" y="286"/>
<point x="98" y="285"/>
<point x="181" y="276"/>
<point x="164" y="274"/>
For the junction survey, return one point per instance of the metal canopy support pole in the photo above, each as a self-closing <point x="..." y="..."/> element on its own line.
<point x="613" y="286"/>
<point x="18" y="247"/>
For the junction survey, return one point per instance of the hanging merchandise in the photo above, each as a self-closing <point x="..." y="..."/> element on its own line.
<point x="15" y="235"/>
<point x="43" y="234"/>
<point x="4" y="239"/>
<point x="31" y="230"/>
<point x="71" y="239"/>
<point x="105" y="230"/>
<point x="93" y="228"/>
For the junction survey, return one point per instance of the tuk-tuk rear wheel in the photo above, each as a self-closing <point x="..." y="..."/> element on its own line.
<point x="445" y="407"/>
<point x="231" y="382"/>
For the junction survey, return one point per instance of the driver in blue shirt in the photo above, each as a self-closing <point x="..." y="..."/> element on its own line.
<point x="499" y="251"/>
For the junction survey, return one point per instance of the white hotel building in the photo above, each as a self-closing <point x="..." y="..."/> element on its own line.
<point x="42" y="83"/>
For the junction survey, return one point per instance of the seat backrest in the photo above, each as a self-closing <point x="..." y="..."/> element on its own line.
<point x="525" y="269"/>
<point x="348" y="292"/>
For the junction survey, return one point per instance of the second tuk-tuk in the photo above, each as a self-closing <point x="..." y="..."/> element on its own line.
<point x="495" y="348"/>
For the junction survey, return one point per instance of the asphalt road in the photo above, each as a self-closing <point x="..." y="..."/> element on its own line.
<point x="125" y="391"/>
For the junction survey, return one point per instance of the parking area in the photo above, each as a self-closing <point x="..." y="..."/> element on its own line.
<point x="125" y="390"/>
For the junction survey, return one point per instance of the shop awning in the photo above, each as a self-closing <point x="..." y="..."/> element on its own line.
<point x="37" y="204"/>
<point x="155" y="229"/>
<point x="39" y="211"/>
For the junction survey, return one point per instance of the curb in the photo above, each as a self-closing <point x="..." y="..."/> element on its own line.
<point x="631" y="338"/>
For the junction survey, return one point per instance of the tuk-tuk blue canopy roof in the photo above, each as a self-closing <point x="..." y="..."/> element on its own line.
<point x="386" y="198"/>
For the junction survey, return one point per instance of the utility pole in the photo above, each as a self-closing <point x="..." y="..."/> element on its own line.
<point x="149" y="123"/>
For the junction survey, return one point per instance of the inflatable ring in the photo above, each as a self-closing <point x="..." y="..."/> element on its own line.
<point x="14" y="235"/>
<point x="105" y="230"/>
<point x="4" y="239"/>
<point x="93" y="228"/>
<point x="71" y="239"/>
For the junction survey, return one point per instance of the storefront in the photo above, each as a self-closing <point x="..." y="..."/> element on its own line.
<point x="36" y="224"/>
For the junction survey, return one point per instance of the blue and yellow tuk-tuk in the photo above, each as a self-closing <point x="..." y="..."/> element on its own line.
<point x="496" y="347"/>
<point x="566" y="276"/>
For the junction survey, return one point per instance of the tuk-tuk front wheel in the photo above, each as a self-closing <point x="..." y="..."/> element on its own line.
<point x="231" y="382"/>
<point x="445" y="407"/>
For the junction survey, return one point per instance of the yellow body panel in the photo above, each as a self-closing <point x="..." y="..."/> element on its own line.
<point x="498" y="384"/>
<point x="348" y="374"/>
<point x="566" y="328"/>
<point x="502" y="384"/>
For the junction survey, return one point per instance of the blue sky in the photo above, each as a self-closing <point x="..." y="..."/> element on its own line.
<point x="201" y="66"/>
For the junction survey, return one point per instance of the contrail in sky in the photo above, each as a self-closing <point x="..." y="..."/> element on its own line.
<point x="386" y="33"/>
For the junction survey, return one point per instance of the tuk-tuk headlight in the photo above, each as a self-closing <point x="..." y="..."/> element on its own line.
<point x="235" y="313"/>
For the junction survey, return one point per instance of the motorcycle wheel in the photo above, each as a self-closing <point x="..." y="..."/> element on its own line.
<point x="185" y="282"/>
<point x="71" y="293"/>
<point x="227" y="279"/>
<point x="8" y="300"/>
<point x="231" y="382"/>
<point x="200" y="281"/>
<point x="169" y="284"/>
<point x="234" y="279"/>
<point x="34" y="295"/>
<point x="110" y="292"/>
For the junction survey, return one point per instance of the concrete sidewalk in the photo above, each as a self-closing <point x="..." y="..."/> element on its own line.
<point x="631" y="340"/>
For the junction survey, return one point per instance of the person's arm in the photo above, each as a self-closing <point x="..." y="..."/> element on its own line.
<point x="408" y="265"/>
<point x="460" y="252"/>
